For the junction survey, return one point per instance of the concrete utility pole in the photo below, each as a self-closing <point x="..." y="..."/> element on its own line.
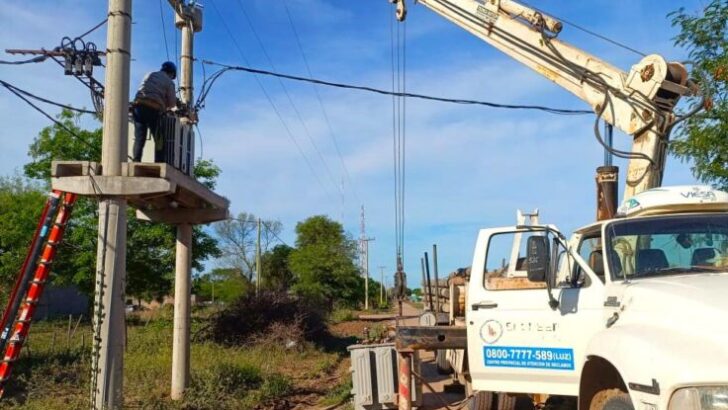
<point x="109" y="315"/>
<point x="185" y="21"/>
<point x="182" y="296"/>
<point x="258" y="268"/>
<point x="382" y="288"/>
<point x="364" y="258"/>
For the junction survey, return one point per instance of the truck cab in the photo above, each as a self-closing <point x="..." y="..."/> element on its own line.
<point x="628" y="313"/>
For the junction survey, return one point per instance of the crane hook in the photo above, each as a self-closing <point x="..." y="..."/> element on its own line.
<point x="401" y="12"/>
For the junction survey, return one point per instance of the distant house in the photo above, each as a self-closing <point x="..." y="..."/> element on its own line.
<point x="60" y="301"/>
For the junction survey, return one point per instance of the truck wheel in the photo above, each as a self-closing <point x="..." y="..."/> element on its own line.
<point x="482" y="400"/>
<point x="514" y="402"/>
<point x="506" y="402"/>
<point x="611" y="399"/>
<point x="485" y="400"/>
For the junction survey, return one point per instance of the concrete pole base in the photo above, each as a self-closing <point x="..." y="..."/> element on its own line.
<point x="181" y="337"/>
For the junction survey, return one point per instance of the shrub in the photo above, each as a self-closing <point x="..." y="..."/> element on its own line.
<point x="271" y="316"/>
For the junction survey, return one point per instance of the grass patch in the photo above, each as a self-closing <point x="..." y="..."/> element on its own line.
<point x="55" y="373"/>
<point x="342" y="315"/>
<point x="275" y="385"/>
<point x="339" y="394"/>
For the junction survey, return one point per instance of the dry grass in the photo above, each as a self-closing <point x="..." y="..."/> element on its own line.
<point x="55" y="372"/>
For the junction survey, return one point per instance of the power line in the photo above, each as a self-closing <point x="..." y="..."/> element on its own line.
<point x="288" y="96"/>
<point x="399" y="109"/>
<point x="320" y="101"/>
<point x="395" y="131"/>
<point x="268" y="228"/>
<point x="58" y="123"/>
<point x="92" y="29"/>
<point x="37" y="59"/>
<point x="176" y="45"/>
<point x="164" y="30"/>
<point x="265" y="224"/>
<point x="403" y="136"/>
<point x="47" y="101"/>
<point x="268" y="97"/>
<point x="551" y="110"/>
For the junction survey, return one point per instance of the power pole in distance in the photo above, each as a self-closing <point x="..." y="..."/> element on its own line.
<point x="109" y="316"/>
<point x="382" y="287"/>
<point x="364" y="255"/>
<point x="258" y="268"/>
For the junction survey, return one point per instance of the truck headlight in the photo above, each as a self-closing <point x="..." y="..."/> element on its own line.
<point x="700" y="398"/>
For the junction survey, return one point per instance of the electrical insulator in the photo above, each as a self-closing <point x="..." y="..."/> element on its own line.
<point x="68" y="65"/>
<point x="88" y="66"/>
<point x="78" y="64"/>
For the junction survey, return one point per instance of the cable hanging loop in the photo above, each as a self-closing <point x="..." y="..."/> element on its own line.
<point x="550" y="110"/>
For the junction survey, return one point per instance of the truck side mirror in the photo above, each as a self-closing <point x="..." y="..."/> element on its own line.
<point x="538" y="258"/>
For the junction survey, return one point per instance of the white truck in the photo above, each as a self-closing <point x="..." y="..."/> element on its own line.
<point x="629" y="313"/>
<point x="632" y="311"/>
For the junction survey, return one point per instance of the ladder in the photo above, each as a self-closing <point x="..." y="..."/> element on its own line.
<point x="31" y="280"/>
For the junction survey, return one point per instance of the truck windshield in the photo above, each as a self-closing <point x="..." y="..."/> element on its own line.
<point x="668" y="245"/>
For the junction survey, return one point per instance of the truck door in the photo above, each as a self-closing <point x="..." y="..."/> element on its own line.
<point x="516" y="342"/>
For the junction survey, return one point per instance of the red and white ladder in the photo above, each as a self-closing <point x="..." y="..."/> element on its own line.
<point x="31" y="280"/>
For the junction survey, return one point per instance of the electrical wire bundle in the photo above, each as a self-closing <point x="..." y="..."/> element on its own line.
<point x="79" y="59"/>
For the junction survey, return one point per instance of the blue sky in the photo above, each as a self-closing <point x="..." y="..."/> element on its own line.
<point x="467" y="167"/>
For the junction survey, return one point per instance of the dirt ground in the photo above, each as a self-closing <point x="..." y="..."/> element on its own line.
<point x="314" y="385"/>
<point x="434" y="397"/>
<point x="315" y="388"/>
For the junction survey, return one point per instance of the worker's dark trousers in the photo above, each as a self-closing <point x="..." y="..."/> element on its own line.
<point x="146" y="118"/>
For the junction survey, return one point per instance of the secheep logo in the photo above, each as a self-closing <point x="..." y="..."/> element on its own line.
<point x="491" y="331"/>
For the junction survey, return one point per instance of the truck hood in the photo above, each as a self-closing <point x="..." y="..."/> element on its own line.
<point x="672" y="301"/>
<point x="680" y="317"/>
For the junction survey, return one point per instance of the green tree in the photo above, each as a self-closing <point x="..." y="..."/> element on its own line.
<point x="221" y="285"/>
<point x="150" y="247"/>
<point x="702" y="138"/>
<point x="323" y="263"/>
<point x="21" y="203"/>
<point x="276" y="273"/>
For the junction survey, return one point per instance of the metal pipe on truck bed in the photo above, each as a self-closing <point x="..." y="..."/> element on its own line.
<point x="426" y="297"/>
<point x="429" y="282"/>
<point x="437" y="280"/>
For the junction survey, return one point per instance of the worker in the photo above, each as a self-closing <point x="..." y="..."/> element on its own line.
<point x="156" y="95"/>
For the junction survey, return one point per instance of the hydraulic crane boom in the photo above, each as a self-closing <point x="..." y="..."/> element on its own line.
<point x="640" y="102"/>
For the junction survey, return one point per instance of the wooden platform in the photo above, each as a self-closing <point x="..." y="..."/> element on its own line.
<point x="158" y="191"/>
